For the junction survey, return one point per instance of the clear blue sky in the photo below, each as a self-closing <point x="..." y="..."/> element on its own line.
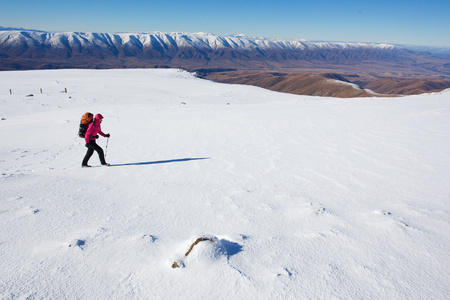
<point x="415" y="22"/>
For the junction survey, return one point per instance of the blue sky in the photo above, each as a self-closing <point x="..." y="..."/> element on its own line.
<point x="414" y="22"/>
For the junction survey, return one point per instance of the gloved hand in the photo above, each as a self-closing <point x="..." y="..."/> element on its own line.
<point x="96" y="137"/>
<point x="107" y="135"/>
<point x="87" y="145"/>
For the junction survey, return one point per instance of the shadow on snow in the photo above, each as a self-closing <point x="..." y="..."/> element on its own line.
<point x="157" y="162"/>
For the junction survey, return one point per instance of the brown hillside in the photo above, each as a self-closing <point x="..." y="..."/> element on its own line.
<point x="332" y="84"/>
<point x="326" y="85"/>
<point x="407" y="87"/>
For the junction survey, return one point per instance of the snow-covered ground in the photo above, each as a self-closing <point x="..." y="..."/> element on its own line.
<point x="301" y="197"/>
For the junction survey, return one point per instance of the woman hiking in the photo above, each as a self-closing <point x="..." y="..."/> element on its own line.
<point x="92" y="133"/>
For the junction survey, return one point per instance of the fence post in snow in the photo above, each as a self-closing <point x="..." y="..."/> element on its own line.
<point x="10" y="91"/>
<point x="41" y="90"/>
<point x="65" y="90"/>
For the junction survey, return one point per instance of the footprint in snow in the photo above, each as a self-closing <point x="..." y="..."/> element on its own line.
<point x="77" y="243"/>
<point x="382" y="212"/>
<point x="396" y="220"/>
<point x="15" y="198"/>
<point x="26" y="211"/>
<point x="317" y="209"/>
<point x="83" y="236"/>
<point x="286" y="272"/>
<point x="149" y="238"/>
<point x="146" y="238"/>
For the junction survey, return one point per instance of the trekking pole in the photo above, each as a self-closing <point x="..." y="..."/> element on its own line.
<point x="106" y="148"/>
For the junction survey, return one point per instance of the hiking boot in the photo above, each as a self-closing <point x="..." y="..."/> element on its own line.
<point x="85" y="166"/>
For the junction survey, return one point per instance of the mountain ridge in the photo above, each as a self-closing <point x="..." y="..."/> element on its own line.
<point x="194" y="39"/>
<point x="179" y="49"/>
<point x="208" y="54"/>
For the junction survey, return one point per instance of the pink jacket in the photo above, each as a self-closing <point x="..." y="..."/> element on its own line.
<point x="94" y="129"/>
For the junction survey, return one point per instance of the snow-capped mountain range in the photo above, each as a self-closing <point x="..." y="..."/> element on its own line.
<point x="32" y="49"/>
<point x="168" y="41"/>
<point x="192" y="50"/>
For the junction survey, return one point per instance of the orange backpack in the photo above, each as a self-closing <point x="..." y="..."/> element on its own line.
<point x="86" y="119"/>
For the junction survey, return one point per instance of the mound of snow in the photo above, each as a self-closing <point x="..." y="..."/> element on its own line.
<point x="205" y="250"/>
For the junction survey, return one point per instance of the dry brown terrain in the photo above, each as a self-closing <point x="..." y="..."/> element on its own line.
<point x="300" y="84"/>
<point x="331" y="84"/>
<point x="407" y="87"/>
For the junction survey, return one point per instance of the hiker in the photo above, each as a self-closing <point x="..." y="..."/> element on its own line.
<point x="92" y="133"/>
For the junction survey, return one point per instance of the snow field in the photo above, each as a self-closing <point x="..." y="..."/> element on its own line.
<point x="305" y="197"/>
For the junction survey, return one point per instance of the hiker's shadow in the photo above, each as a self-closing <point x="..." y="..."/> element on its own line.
<point x="158" y="162"/>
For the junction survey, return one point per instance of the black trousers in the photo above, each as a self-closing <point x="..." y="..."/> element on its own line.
<point x="94" y="147"/>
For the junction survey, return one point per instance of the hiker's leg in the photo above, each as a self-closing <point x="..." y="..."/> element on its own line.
<point x="88" y="155"/>
<point x="99" y="150"/>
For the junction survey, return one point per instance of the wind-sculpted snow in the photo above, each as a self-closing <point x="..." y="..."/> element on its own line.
<point x="292" y="197"/>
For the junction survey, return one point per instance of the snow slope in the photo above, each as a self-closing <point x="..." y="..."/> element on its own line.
<point x="302" y="197"/>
